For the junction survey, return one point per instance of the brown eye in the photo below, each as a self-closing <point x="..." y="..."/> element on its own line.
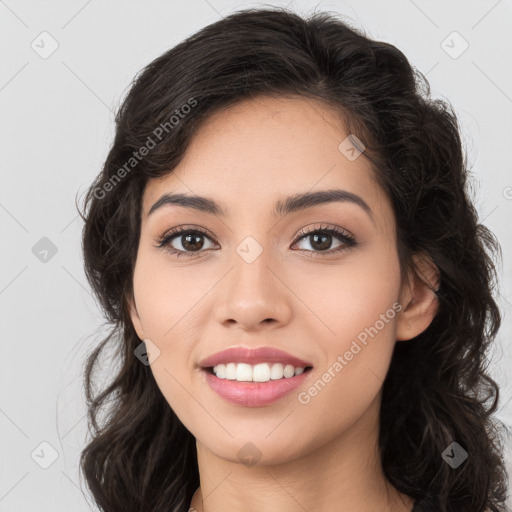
<point x="321" y="240"/>
<point x="186" y="242"/>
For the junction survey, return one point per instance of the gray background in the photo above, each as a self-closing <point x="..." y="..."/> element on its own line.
<point x="56" y="125"/>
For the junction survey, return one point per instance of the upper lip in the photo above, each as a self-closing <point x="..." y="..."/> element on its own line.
<point x="252" y="356"/>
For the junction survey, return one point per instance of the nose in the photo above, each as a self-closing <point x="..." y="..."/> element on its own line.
<point x="253" y="296"/>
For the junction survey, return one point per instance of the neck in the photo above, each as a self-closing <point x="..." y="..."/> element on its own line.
<point x="344" y="474"/>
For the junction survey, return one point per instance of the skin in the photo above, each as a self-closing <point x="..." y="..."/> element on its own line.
<point x="322" y="455"/>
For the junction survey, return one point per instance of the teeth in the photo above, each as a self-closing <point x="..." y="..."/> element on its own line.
<point x="243" y="372"/>
<point x="230" y="371"/>
<point x="277" y="371"/>
<point x="263" y="372"/>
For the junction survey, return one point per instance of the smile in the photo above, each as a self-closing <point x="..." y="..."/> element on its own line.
<point x="251" y="393"/>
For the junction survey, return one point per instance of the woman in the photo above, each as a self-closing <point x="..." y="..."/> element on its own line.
<point x="300" y="291"/>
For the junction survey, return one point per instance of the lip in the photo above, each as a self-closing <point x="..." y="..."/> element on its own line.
<point x="252" y="356"/>
<point x="254" y="394"/>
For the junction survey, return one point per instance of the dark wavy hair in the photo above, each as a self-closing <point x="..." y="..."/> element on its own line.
<point x="437" y="391"/>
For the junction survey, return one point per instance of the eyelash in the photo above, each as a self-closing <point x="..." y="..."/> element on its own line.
<point x="347" y="239"/>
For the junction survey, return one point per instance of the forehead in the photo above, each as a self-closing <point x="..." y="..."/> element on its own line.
<point x="258" y="151"/>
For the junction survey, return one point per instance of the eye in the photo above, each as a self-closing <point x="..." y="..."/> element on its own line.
<point x="321" y="238"/>
<point x="190" y="240"/>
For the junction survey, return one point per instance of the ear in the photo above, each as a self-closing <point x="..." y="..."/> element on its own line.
<point x="134" y="315"/>
<point x="418" y="300"/>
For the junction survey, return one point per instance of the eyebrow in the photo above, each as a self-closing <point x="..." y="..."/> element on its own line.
<point x="292" y="204"/>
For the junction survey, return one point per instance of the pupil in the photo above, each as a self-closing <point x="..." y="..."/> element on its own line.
<point x="196" y="242"/>
<point x="322" y="246"/>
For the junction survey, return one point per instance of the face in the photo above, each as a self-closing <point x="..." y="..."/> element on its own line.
<point x="247" y="277"/>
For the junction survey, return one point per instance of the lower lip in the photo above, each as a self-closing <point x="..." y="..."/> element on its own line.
<point x="254" y="394"/>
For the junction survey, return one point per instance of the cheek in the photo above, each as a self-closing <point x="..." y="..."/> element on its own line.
<point x="162" y="306"/>
<point x="166" y="296"/>
<point x="168" y="301"/>
<point x="345" y="298"/>
<point x="355" y="312"/>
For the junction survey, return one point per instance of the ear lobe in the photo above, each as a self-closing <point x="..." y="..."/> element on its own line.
<point x="420" y="301"/>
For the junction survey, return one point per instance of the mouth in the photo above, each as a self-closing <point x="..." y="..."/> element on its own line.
<point x="254" y="377"/>
<point x="244" y="391"/>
